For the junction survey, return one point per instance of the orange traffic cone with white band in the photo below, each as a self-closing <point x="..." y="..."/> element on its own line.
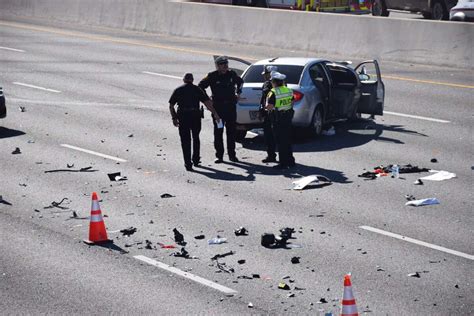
<point x="97" y="232"/>
<point x="349" y="307"/>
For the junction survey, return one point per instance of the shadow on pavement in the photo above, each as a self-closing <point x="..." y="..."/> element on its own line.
<point x="112" y="246"/>
<point x="6" y="132"/>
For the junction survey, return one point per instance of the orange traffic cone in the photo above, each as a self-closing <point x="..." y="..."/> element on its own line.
<point x="349" y="307"/>
<point x="97" y="232"/>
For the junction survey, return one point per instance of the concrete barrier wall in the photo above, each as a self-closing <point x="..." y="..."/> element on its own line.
<point x="416" y="41"/>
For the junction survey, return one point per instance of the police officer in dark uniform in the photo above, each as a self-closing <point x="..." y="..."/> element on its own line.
<point x="267" y="120"/>
<point x="280" y="104"/>
<point x="188" y="118"/>
<point x="226" y="87"/>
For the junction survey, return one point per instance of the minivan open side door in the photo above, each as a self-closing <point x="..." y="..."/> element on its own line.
<point x="372" y="88"/>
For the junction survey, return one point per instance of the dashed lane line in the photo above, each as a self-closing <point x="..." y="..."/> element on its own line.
<point x="187" y="275"/>
<point x="12" y="49"/>
<point x="416" y="117"/>
<point x="93" y="153"/>
<point x="161" y="75"/>
<point x="418" y="242"/>
<point x="35" y="87"/>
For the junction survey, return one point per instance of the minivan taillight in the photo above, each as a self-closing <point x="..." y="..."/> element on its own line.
<point x="297" y="96"/>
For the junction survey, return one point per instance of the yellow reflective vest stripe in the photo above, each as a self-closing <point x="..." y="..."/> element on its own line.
<point x="283" y="98"/>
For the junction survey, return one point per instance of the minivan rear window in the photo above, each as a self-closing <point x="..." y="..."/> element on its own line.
<point x="293" y="73"/>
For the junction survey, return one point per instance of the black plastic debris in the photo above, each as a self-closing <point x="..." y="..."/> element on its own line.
<point x="70" y="165"/>
<point x="22" y="185"/>
<point x="182" y="253"/>
<point x="22" y="109"/>
<point x="283" y="286"/>
<point x="241" y="261"/>
<point x="267" y="240"/>
<point x="116" y="176"/>
<point x="148" y="244"/>
<point x="418" y="182"/>
<point x="434" y="160"/>
<point x="295" y="260"/>
<point x="297" y="288"/>
<point x="36" y="210"/>
<point x="244" y="277"/>
<point x="178" y="237"/>
<point x="256" y="276"/>
<point x="166" y="196"/>
<point x="388" y="169"/>
<point x="131" y="135"/>
<point x="74" y="214"/>
<point x="456" y="286"/>
<point x="223" y="267"/>
<point x="85" y="169"/>
<point x="415" y="275"/>
<point x="410" y="197"/>
<point x="199" y="237"/>
<point x="57" y="204"/>
<point x="322" y="300"/>
<point x="291" y="295"/>
<point x="2" y="201"/>
<point x="128" y="231"/>
<point x="286" y="232"/>
<point x="242" y="231"/>
<point x="17" y="151"/>
<point x="223" y="255"/>
<point x="250" y="305"/>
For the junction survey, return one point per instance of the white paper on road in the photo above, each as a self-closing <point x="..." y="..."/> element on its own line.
<point x="439" y="175"/>
<point x="422" y="202"/>
<point x="304" y="182"/>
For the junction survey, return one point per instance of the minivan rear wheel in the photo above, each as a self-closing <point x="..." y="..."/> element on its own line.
<point x="379" y="8"/>
<point x="317" y="121"/>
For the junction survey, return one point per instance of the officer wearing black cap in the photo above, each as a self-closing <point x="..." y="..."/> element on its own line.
<point x="188" y="117"/>
<point x="267" y="120"/>
<point x="226" y="87"/>
<point x="280" y="103"/>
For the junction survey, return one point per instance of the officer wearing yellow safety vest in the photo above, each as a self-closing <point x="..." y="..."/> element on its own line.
<point x="280" y="103"/>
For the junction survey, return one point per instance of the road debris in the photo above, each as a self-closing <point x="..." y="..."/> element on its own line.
<point x="70" y="165"/>
<point x="295" y="260"/>
<point x="381" y="171"/>
<point x="241" y="231"/>
<point x="322" y="300"/>
<point x="410" y="197"/>
<point x="85" y="169"/>
<point x="163" y="246"/>
<point x="314" y="180"/>
<point x="57" y="204"/>
<point x="128" y="231"/>
<point x="287" y="232"/>
<point x="131" y="135"/>
<point x="2" y="201"/>
<point x="22" y="109"/>
<point x="283" y="286"/>
<point x="116" y="176"/>
<point x="418" y="182"/>
<point x="216" y="240"/>
<point x="199" y="237"/>
<point x="250" y="305"/>
<point x="148" y="244"/>
<point x="222" y="267"/>
<point x="182" y="254"/>
<point x="439" y="176"/>
<point x="17" y="151"/>
<point x="415" y="275"/>
<point x="241" y="261"/>
<point x="166" y="196"/>
<point x="423" y="202"/>
<point x="223" y="255"/>
<point x="178" y="237"/>
<point x="434" y="160"/>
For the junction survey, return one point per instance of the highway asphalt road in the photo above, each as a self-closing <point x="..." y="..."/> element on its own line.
<point x="88" y="88"/>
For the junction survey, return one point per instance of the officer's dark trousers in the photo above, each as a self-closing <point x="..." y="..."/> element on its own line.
<point x="190" y="124"/>
<point x="228" y="116"/>
<point x="269" y="136"/>
<point x="282" y="130"/>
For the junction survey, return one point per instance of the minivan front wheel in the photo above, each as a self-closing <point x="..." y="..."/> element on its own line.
<point x="379" y="8"/>
<point x="438" y="12"/>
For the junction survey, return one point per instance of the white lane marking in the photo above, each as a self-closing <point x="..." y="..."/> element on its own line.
<point x="187" y="275"/>
<point x="161" y="75"/>
<point x="93" y="153"/>
<point x="417" y="117"/>
<point x="35" y="87"/>
<point x="418" y="242"/>
<point x="12" y="49"/>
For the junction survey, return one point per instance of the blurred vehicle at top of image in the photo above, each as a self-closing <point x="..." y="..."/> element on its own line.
<point x="3" y="108"/>
<point x="430" y="9"/>
<point x="323" y="91"/>
<point x="463" y="11"/>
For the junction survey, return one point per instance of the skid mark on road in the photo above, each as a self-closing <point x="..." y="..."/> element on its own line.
<point x="93" y="153"/>
<point x="187" y="275"/>
<point x="418" y="242"/>
<point x="161" y="75"/>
